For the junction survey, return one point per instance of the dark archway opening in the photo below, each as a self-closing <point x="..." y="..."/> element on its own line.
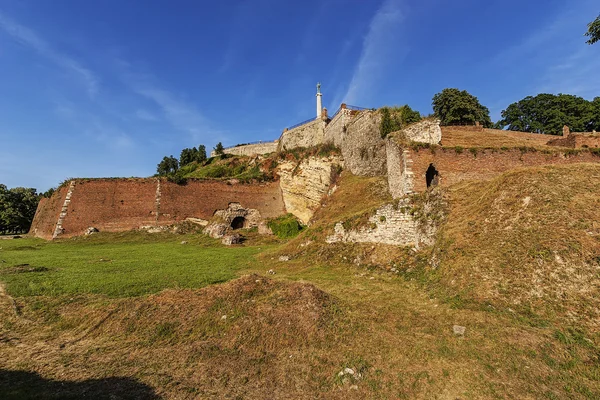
<point x="432" y="176"/>
<point x="238" y="223"/>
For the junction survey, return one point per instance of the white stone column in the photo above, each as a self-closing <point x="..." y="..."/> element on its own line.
<point x="319" y="105"/>
<point x="319" y="101"/>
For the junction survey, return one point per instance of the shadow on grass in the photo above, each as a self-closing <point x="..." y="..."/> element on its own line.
<point x="29" y="385"/>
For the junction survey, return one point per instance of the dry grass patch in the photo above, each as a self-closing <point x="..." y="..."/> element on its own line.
<point x="529" y="239"/>
<point x="494" y="138"/>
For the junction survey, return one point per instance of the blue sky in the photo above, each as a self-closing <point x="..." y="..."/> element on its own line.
<point x="107" y="88"/>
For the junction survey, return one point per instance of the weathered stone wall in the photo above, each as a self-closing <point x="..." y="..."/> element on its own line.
<point x="362" y="147"/>
<point x="387" y="226"/>
<point x="251" y="149"/>
<point x="454" y="167"/>
<point x="399" y="170"/>
<point x="47" y="213"/>
<point x="307" y="135"/>
<point x="425" y="131"/>
<point x="335" y="130"/>
<point x="115" y="205"/>
<point x="303" y="186"/>
<point x="398" y="224"/>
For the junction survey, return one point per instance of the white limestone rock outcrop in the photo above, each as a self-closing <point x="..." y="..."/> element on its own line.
<point x="304" y="185"/>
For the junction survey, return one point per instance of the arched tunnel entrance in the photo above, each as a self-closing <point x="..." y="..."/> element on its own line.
<point x="432" y="176"/>
<point x="238" y="223"/>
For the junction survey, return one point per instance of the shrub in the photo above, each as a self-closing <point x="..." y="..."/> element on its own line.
<point x="286" y="226"/>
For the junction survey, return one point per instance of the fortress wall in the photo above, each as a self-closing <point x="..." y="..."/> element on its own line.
<point x="335" y="129"/>
<point x="454" y="167"/>
<point x="251" y="149"/>
<point x="200" y="199"/>
<point x="362" y="147"/>
<point x="111" y="205"/>
<point x="307" y="135"/>
<point x="115" y="205"/>
<point x="427" y="130"/>
<point x="47" y="213"/>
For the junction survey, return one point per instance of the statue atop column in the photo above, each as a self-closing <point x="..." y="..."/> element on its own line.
<point x="318" y="87"/>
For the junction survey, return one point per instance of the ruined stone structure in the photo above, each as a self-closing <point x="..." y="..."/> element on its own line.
<point x="420" y="157"/>
<point x="577" y="140"/>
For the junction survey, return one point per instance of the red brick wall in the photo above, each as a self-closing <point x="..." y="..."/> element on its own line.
<point x="47" y="214"/>
<point x="454" y="167"/>
<point x="202" y="198"/>
<point x="115" y="205"/>
<point x="111" y="205"/>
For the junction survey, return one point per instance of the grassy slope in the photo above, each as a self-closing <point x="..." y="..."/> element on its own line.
<point x="529" y="239"/>
<point x="290" y="340"/>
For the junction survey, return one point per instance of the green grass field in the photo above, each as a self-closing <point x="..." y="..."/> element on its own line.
<point x="118" y="265"/>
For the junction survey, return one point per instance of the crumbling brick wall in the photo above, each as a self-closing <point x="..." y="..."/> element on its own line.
<point x="200" y="199"/>
<point x="110" y="205"/>
<point x="47" y="213"/>
<point x="115" y="205"/>
<point x="456" y="166"/>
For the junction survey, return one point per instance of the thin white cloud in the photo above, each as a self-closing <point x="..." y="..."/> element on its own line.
<point x="146" y="115"/>
<point x="181" y="115"/>
<point x="379" y="46"/>
<point x="562" y="61"/>
<point x="29" y="38"/>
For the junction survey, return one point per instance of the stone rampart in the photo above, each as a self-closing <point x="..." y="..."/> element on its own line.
<point x="251" y="149"/>
<point x="425" y="131"/>
<point x="307" y="135"/>
<point x="335" y="130"/>
<point x="362" y="147"/>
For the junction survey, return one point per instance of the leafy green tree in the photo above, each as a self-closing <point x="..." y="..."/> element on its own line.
<point x="456" y="107"/>
<point x="548" y="113"/>
<point x="17" y="209"/>
<point x="219" y="149"/>
<point x="168" y="166"/>
<point x="186" y="156"/>
<point x="201" y="156"/>
<point x="48" y="193"/>
<point x="593" y="31"/>
<point x="396" y="118"/>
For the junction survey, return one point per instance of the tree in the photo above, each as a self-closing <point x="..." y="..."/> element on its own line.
<point x="548" y="113"/>
<point x="201" y="156"/>
<point x="456" y="107"/>
<point x="17" y="208"/>
<point x="593" y="31"/>
<point x="168" y="166"/>
<point x="219" y="149"/>
<point x="185" y="157"/>
<point x="396" y="118"/>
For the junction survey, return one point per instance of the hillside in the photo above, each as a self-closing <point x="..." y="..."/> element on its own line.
<point x="529" y="240"/>
<point x="515" y="263"/>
